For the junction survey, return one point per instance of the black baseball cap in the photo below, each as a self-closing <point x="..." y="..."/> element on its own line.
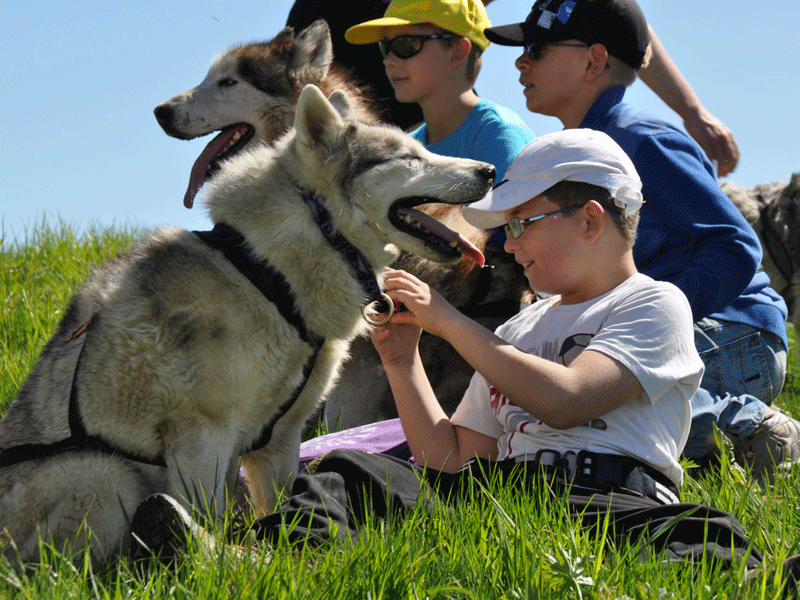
<point x="617" y="24"/>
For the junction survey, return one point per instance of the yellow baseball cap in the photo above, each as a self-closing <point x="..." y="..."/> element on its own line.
<point x="466" y="18"/>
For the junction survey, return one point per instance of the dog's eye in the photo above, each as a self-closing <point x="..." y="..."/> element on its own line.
<point x="227" y="82"/>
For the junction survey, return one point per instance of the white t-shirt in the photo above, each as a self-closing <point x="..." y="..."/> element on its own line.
<point x="644" y="324"/>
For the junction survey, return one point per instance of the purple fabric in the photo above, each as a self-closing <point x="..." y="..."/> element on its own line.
<point x="385" y="437"/>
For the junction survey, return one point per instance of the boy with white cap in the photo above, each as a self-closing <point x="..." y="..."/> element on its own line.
<point x="587" y="390"/>
<point x="601" y="371"/>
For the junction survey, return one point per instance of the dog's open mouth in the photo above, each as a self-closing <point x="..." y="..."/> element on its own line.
<point x="435" y="234"/>
<point x="227" y="143"/>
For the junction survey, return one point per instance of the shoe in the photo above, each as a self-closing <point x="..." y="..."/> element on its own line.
<point x="774" y="444"/>
<point x="162" y="527"/>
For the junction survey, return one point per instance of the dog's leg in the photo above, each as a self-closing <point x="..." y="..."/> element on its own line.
<point x="198" y="464"/>
<point x="71" y="501"/>
<point x="270" y="471"/>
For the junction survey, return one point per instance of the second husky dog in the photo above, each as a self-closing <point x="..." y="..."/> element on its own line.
<point x="196" y="348"/>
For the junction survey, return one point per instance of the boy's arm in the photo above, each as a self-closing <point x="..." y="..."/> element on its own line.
<point x="663" y="77"/>
<point x="560" y="396"/>
<point x="434" y="440"/>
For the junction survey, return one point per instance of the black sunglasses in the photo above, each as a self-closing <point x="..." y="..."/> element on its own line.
<point x="516" y="226"/>
<point x="534" y="49"/>
<point x="406" y="46"/>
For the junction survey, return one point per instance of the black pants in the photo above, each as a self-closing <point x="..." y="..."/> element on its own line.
<point x="348" y="485"/>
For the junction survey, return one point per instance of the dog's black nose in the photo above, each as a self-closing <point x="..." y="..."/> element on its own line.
<point x="489" y="172"/>
<point x="163" y="114"/>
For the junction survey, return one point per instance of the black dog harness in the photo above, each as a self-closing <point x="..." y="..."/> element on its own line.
<point x="79" y="439"/>
<point x="271" y="283"/>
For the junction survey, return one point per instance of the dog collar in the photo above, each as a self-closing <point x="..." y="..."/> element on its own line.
<point x="353" y="257"/>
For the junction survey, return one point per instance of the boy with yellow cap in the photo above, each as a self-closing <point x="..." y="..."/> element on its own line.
<point x="432" y="53"/>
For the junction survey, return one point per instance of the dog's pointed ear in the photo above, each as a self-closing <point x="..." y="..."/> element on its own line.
<point x="313" y="53"/>
<point x="317" y="122"/>
<point x="342" y="105"/>
<point x="283" y="37"/>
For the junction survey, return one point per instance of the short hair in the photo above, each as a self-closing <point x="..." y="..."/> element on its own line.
<point x="474" y="59"/>
<point x="624" y="74"/>
<point x="577" y="193"/>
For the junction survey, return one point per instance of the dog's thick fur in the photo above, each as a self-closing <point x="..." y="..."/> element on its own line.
<point x="773" y="209"/>
<point x="250" y="91"/>
<point x="185" y="359"/>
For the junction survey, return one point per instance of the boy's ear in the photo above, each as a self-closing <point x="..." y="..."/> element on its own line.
<point x="461" y="48"/>
<point x="594" y="221"/>
<point x="598" y="62"/>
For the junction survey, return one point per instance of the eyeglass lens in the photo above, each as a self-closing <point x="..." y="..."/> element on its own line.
<point x="402" y="46"/>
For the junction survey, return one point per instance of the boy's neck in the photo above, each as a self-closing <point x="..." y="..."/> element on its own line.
<point x="443" y="118"/>
<point x="573" y="116"/>
<point x="603" y="279"/>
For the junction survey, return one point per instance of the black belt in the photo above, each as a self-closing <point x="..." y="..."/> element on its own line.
<point x="587" y="472"/>
<point x="604" y="472"/>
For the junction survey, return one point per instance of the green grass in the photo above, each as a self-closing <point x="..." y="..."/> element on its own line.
<point x="507" y="546"/>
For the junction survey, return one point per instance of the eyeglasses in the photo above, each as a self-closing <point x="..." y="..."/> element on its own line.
<point x="406" y="46"/>
<point x="534" y="49"/>
<point x="516" y="226"/>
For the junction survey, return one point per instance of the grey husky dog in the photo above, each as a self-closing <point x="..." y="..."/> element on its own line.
<point x="194" y="349"/>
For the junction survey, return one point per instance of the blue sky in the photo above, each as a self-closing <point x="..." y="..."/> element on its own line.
<point x="81" y="78"/>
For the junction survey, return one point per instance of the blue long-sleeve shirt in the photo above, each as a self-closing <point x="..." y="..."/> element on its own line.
<point x="690" y="233"/>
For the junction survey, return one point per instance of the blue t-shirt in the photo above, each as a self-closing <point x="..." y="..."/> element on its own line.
<point x="690" y="233"/>
<point x="491" y="133"/>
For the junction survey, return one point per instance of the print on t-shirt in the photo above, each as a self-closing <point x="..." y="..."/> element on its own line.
<point x="569" y="351"/>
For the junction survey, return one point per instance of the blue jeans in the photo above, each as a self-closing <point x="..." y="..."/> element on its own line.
<point x="745" y="370"/>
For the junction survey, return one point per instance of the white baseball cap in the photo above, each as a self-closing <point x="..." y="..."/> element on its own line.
<point x="570" y="155"/>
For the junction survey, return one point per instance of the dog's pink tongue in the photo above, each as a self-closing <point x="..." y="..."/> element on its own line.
<point x="436" y="227"/>
<point x="200" y="167"/>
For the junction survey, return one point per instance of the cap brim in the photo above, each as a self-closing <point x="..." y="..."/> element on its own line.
<point x="370" y="32"/>
<point x="506" y="35"/>
<point x="489" y="212"/>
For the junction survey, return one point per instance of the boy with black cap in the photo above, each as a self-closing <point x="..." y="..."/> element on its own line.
<point x="579" y="55"/>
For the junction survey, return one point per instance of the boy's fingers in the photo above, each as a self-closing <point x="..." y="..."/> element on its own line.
<point x="404" y="318"/>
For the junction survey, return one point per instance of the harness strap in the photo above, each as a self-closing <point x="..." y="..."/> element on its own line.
<point x="79" y="439"/>
<point x="353" y="256"/>
<point x="273" y="285"/>
<point x="266" y="433"/>
<point x="270" y="282"/>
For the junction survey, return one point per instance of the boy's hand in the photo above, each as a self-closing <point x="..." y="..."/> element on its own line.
<point x="423" y="308"/>
<point x="396" y="344"/>
<point x="715" y="139"/>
